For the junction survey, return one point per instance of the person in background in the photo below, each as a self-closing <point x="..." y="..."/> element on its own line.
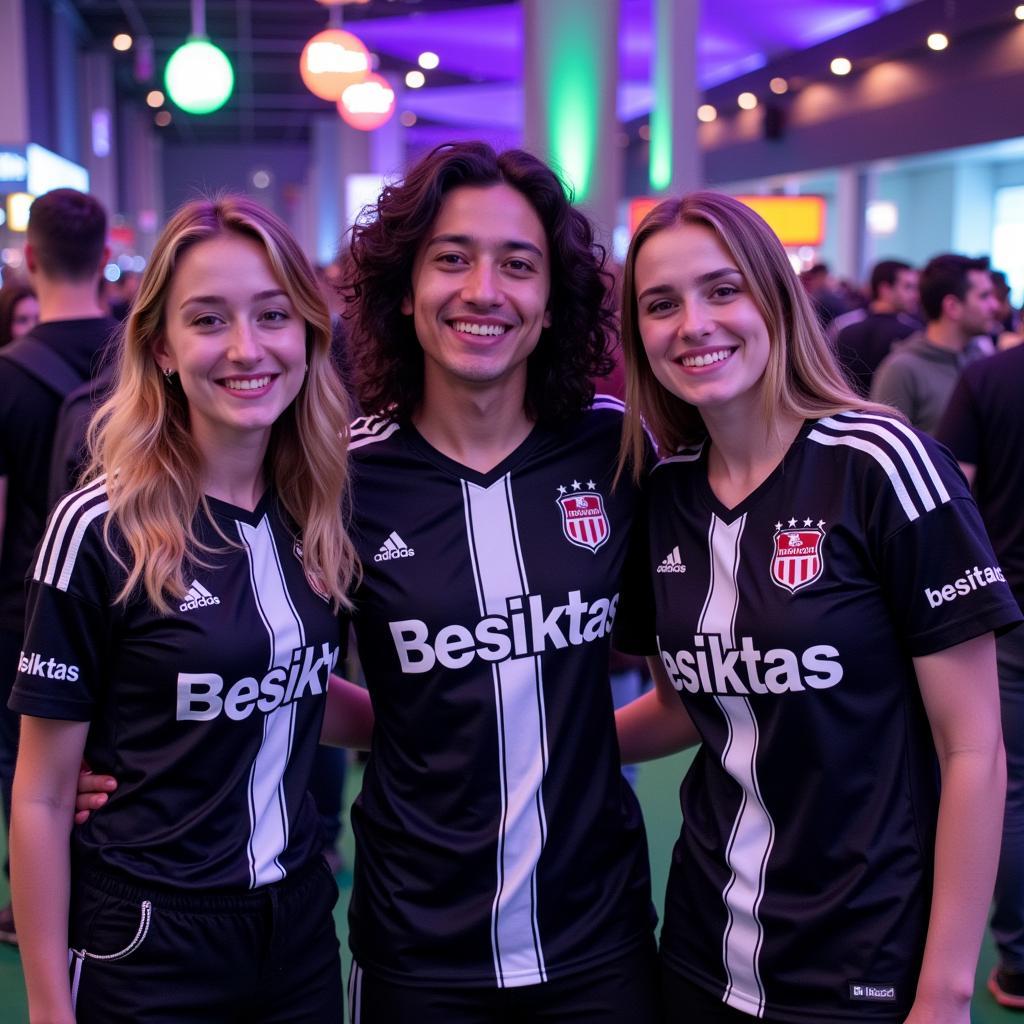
<point x="825" y="641"/>
<point x="865" y="337"/>
<point x="19" y="312"/>
<point x="1007" y="319"/>
<point x="984" y="428"/>
<point x="959" y="304"/>
<point x="824" y="293"/>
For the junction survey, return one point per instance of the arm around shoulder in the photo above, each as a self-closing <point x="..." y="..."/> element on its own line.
<point x="348" y="717"/>
<point x="656" y="724"/>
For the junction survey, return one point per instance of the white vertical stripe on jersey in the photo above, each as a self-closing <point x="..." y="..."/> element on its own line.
<point x="268" y="812"/>
<point x="499" y="574"/>
<point x="355" y="993"/>
<point x="753" y="831"/>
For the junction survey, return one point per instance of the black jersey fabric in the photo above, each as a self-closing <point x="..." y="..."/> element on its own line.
<point x="800" y="886"/>
<point x="863" y="344"/>
<point x="208" y="717"/>
<point x="497" y="843"/>
<point x="983" y="425"/>
<point x="28" y="418"/>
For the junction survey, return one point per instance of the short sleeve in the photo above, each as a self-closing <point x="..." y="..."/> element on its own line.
<point x="938" y="571"/>
<point x="67" y="622"/>
<point x="960" y="429"/>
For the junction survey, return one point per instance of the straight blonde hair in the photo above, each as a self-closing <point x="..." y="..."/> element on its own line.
<point x="802" y="377"/>
<point x="140" y="437"/>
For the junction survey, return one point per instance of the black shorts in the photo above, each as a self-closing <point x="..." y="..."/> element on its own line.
<point x="621" y="991"/>
<point x="687" y="1003"/>
<point x="141" y="954"/>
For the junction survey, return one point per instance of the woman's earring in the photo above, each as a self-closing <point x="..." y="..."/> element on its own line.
<point x="168" y="372"/>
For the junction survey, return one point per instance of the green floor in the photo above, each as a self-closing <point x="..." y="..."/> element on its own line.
<point x="657" y="786"/>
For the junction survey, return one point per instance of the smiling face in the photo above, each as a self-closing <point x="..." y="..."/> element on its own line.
<point x="235" y="340"/>
<point x="705" y="338"/>
<point x="480" y="287"/>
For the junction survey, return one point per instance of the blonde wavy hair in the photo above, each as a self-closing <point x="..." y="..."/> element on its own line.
<point x="802" y="377"/>
<point x="140" y="436"/>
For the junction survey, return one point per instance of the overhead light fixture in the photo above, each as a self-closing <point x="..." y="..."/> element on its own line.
<point x="407" y="118"/>
<point x="938" y="41"/>
<point x="367" y="104"/>
<point x="841" y="66"/>
<point x="199" y="77"/>
<point x="122" y="42"/>
<point x="644" y="132"/>
<point x="1019" y="13"/>
<point x="415" y="79"/>
<point x="162" y="118"/>
<point x="706" y="113"/>
<point x="746" y="100"/>
<point x="155" y="98"/>
<point x="331" y="61"/>
<point x="778" y="86"/>
<point x="428" y="60"/>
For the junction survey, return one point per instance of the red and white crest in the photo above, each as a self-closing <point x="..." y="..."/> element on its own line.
<point x="584" y="521"/>
<point x="797" y="560"/>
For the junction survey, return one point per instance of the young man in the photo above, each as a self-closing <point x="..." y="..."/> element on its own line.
<point x="959" y="304"/>
<point x="864" y="337"/>
<point x="501" y="866"/>
<point x="65" y="252"/>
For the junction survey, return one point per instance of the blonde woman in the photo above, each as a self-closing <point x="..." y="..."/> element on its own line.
<point x="183" y="621"/>
<point x="824" y="599"/>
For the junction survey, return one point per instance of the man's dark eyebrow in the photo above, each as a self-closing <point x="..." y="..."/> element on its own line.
<point x="213" y="300"/>
<point x="510" y="245"/>
<point x="711" y="275"/>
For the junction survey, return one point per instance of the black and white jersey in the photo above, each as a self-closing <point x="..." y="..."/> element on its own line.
<point x="496" y="841"/>
<point x="800" y="885"/>
<point x="209" y="716"/>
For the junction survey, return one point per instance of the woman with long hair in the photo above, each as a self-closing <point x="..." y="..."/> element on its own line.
<point x="183" y="621"/>
<point x="822" y="599"/>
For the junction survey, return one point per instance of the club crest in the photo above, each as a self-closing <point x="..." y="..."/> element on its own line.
<point x="584" y="520"/>
<point x="797" y="558"/>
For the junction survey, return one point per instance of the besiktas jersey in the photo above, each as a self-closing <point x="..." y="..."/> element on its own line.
<point x="496" y="841"/>
<point x="209" y="717"/>
<point x="800" y="886"/>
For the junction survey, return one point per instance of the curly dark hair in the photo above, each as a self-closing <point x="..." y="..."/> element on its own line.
<point x="387" y="360"/>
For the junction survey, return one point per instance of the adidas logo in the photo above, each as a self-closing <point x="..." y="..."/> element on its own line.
<point x="393" y="547"/>
<point x="197" y="596"/>
<point x="671" y="562"/>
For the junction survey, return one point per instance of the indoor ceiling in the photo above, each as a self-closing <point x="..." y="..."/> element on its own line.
<point x="475" y="90"/>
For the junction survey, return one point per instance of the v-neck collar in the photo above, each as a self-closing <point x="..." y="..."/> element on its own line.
<point x="728" y="515"/>
<point x="225" y="510"/>
<point x="457" y="469"/>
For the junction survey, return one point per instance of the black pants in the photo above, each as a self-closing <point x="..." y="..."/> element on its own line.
<point x="622" y="991"/>
<point x="141" y="955"/>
